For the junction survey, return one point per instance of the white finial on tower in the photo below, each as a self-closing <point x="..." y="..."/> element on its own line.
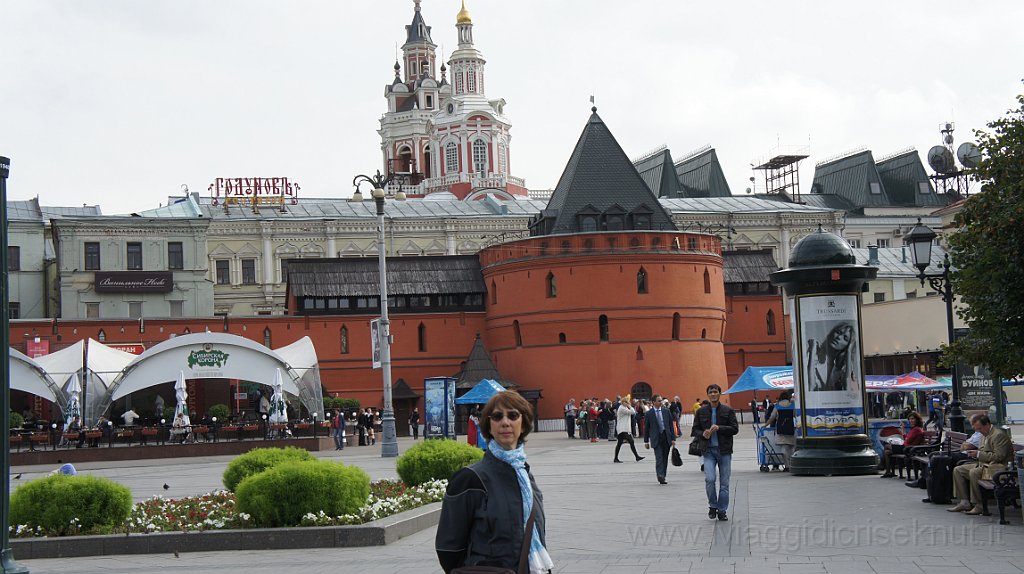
<point x="417" y="3"/>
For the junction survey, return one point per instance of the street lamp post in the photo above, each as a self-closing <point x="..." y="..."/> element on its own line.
<point x="389" y="446"/>
<point x="920" y="239"/>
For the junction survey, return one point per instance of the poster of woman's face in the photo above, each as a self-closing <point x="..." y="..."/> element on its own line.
<point x="832" y="358"/>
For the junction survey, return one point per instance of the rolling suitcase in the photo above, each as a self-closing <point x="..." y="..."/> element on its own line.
<point x="940" y="479"/>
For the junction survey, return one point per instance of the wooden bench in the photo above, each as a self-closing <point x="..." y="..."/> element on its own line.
<point x="902" y="460"/>
<point x="918" y="456"/>
<point x="1003" y="488"/>
<point x="127" y="434"/>
<point x="15" y="440"/>
<point x="38" y="438"/>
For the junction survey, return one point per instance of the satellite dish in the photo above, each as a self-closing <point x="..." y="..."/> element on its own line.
<point x="941" y="159"/>
<point x="969" y="155"/>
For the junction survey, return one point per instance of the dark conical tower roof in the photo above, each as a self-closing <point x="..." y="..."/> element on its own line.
<point x="418" y="31"/>
<point x="478" y="367"/>
<point x="600" y="181"/>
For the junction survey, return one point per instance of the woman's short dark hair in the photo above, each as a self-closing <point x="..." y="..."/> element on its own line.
<point x="508" y="400"/>
<point x="915" y="419"/>
<point x="785" y="395"/>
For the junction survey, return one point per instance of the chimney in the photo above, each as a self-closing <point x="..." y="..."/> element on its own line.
<point x="872" y="255"/>
<point x="904" y="249"/>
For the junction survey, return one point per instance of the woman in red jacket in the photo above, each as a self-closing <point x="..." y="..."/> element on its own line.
<point x="912" y="438"/>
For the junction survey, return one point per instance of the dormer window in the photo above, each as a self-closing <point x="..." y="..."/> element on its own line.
<point x="430" y="102"/>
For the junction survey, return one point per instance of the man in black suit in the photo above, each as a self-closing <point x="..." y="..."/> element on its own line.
<point x="659" y="433"/>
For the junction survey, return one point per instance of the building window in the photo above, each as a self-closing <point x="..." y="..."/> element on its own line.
<point x="101" y="336"/>
<point x="641" y="281"/>
<point x="480" y="157"/>
<point x="641" y="391"/>
<point x="924" y="188"/>
<point x="561" y="338"/>
<point x="92" y="256"/>
<point x="876" y="188"/>
<point x="602" y="327"/>
<point x="92" y="310"/>
<point x="677" y="321"/>
<point x="883" y="243"/>
<point x="451" y="158"/>
<point x="503" y="159"/>
<point x="284" y="271"/>
<point x="175" y="255"/>
<point x="177" y="308"/>
<point x="135" y="257"/>
<point x="471" y="80"/>
<point x="421" y="337"/>
<point x="588" y="223"/>
<point x="912" y="295"/>
<point x="13" y="258"/>
<point x="458" y="81"/>
<point x="343" y="337"/>
<point x="430" y="102"/>
<point x="248" y="272"/>
<point x="134" y="309"/>
<point x="855" y="243"/>
<point x="770" y="320"/>
<point x="552" y="288"/>
<point x="879" y="297"/>
<point x="494" y="293"/>
<point x="707" y="281"/>
<point x="517" y="333"/>
<point x="266" y="337"/>
<point x="223" y="272"/>
<point x="13" y="310"/>
<point x="703" y="333"/>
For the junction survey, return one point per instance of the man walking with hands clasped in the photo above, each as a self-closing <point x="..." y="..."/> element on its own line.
<point x="717" y="424"/>
<point x="659" y="434"/>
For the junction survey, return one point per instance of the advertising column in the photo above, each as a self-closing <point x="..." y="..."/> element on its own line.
<point x="823" y="285"/>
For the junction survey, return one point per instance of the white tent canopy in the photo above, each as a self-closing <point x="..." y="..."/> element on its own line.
<point x="29" y="376"/>
<point x="60" y="365"/>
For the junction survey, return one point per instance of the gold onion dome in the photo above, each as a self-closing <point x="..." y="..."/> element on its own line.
<point x="463" y="17"/>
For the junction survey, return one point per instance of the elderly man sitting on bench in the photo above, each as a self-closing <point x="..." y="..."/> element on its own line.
<point x="995" y="453"/>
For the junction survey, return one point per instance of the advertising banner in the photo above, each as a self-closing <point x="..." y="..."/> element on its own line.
<point x="439" y="407"/>
<point x="375" y="342"/>
<point x="978" y="389"/>
<point x="831" y="376"/>
<point x="134" y="281"/>
<point x="37" y="347"/>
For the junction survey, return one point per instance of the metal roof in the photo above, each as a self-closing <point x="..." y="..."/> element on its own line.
<point x="30" y="210"/>
<point x="658" y="173"/>
<point x="417" y="31"/>
<point x="359" y="276"/>
<point x="851" y="177"/>
<point x="898" y="261"/>
<point x="748" y="266"/>
<point x="478" y="367"/>
<point x="902" y="176"/>
<point x="737" y="204"/>
<point x="701" y="175"/>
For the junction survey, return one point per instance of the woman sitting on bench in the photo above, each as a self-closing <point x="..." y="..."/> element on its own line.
<point x="912" y="438"/>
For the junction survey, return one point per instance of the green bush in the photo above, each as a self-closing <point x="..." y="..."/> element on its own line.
<point x="259" y="459"/>
<point x="340" y="403"/>
<point x="15" y="420"/>
<point x="222" y="412"/>
<point x="282" y="495"/>
<point x="65" y="505"/>
<point x="435" y="459"/>
<point x="168" y="415"/>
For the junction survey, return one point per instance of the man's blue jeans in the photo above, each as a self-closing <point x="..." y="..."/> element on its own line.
<point x="718" y="499"/>
<point x="339" y="439"/>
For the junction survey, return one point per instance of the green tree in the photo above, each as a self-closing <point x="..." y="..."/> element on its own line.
<point x="988" y="252"/>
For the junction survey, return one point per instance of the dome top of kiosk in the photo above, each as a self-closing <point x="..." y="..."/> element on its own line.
<point x="821" y="248"/>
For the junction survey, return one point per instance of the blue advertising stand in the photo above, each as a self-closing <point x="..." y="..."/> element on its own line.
<point x="439" y="407"/>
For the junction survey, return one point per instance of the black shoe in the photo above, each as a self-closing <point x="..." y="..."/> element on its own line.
<point x="913" y="483"/>
<point x="639" y="458"/>
<point x="712" y="513"/>
<point x="661" y="480"/>
<point x="616" y="460"/>
<point x="722" y="516"/>
<point x="888" y="475"/>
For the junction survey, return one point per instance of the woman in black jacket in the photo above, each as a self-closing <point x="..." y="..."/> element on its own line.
<point x="488" y="504"/>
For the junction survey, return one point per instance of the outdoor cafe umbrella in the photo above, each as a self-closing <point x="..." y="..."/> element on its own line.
<point x="278" y="410"/>
<point x="74" y="409"/>
<point x="182" y="395"/>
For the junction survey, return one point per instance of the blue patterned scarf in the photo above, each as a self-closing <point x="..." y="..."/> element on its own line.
<point x="516" y="458"/>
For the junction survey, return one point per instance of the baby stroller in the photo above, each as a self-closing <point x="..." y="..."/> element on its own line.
<point x="767" y="451"/>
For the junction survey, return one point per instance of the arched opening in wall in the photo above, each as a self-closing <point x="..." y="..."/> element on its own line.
<point x="641" y="281"/>
<point x="677" y="321"/>
<point x="494" y="293"/>
<point x="602" y="327"/>
<point x="743" y="358"/>
<point x="770" y="320"/>
<point x="451" y="158"/>
<point x="480" y="157"/>
<point x="101" y="336"/>
<point x="561" y="338"/>
<point x="588" y="244"/>
<point x="641" y="391"/>
<point x="343" y="338"/>
<point x="639" y="354"/>
<point x="588" y="223"/>
<point x="552" y="288"/>
<point x="707" y="281"/>
<point x="428" y="164"/>
<point x="266" y="338"/>
<point x="703" y="333"/>
<point x="517" y="333"/>
<point x="404" y="161"/>
<point x="421" y="336"/>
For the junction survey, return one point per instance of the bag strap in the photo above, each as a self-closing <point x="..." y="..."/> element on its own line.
<point x="524" y="553"/>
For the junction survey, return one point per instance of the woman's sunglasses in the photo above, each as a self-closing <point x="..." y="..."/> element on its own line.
<point x="512" y="416"/>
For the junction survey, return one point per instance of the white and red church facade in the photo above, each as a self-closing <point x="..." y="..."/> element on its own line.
<point x="446" y="136"/>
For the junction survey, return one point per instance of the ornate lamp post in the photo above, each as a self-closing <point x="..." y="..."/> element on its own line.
<point x="7" y="563"/>
<point x="389" y="446"/>
<point x="920" y="240"/>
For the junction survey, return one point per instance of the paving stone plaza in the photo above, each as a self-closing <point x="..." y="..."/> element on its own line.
<point x="615" y="518"/>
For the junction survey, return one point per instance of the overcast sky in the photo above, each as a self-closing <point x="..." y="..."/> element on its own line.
<point x="120" y="103"/>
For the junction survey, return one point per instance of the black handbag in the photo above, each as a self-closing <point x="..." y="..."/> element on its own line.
<point x="524" y="554"/>
<point x="677" y="459"/>
<point x="698" y="446"/>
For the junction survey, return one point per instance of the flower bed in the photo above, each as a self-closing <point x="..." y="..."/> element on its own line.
<point x="217" y="511"/>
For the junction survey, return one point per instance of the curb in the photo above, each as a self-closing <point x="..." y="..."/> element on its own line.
<point x="376" y="533"/>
